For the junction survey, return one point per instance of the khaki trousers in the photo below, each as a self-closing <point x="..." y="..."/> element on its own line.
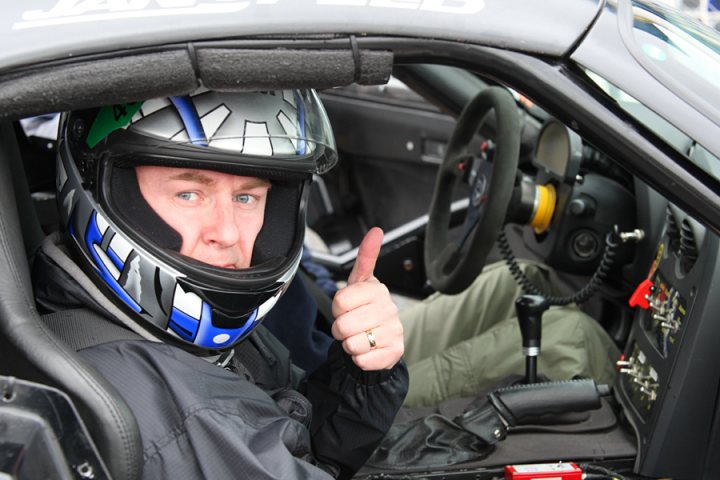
<point x="456" y="345"/>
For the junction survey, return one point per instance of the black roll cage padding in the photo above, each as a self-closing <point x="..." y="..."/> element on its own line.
<point x="29" y="349"/>
<point x="180" y="69"/>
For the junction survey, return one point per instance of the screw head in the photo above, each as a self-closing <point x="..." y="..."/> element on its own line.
<point x="86" y="470"/>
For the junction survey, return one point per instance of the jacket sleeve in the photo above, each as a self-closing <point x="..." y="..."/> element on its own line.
<point x="352" y="410"/>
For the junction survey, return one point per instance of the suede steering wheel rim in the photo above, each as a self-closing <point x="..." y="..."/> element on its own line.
<point x="452" y="266"/>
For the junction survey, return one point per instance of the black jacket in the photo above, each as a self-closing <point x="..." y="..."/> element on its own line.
<point x="248" y="420"/>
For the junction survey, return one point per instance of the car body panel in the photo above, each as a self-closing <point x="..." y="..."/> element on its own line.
<point x="604" y="52"/>
<point x="42" y="30"/>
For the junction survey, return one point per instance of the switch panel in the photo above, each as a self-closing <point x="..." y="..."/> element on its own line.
<point x="640" y="380"/>
<point x="665" y="316"/>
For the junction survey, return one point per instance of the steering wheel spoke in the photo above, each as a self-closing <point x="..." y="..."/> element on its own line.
<point x="478" y="179"/>
<point x="472" y="220"/>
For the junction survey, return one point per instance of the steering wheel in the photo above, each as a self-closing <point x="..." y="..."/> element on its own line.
<point x="452" y="265"/>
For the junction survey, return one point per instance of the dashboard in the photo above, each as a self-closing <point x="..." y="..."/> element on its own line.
<point x="668" y="383"/>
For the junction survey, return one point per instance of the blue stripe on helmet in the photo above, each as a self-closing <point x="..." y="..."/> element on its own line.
<point x="115" y="258"/>
<point x="94" y="236"/>
<point x="208" y="334"/>
<point x="183" y="324"/>
<point x="190" y="118"/>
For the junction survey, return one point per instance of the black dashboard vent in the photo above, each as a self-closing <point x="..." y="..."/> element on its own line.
<point x="672" y="231"/>
<point x="688" y="246"/>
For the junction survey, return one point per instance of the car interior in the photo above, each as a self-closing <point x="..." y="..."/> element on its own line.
<point x="644" y="301"/>
<point x="638" y="263"/>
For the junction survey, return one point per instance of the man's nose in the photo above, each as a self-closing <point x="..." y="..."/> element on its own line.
<point x="223" y="228"/>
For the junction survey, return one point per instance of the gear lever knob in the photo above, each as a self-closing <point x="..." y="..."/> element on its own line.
<point x="529" y="310"/>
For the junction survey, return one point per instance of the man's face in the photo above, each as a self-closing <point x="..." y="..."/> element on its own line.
<point x="217" y="215"/>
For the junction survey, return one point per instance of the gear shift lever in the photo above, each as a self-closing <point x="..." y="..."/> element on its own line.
<point x="529" y="310"/>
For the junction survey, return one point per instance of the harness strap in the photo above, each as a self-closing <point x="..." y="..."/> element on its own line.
<point x="81" y="328"/>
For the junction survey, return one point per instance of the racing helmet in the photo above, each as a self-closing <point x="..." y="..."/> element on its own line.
<point x="133" y="255"/>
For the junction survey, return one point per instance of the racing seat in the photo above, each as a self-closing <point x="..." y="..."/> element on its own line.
<point x="29" y="350"/>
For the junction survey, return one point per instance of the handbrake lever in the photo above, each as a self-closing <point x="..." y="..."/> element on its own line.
<point x="520" y="404"/>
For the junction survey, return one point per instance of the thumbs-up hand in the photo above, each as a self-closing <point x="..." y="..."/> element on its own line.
<point x="366" y="318"/>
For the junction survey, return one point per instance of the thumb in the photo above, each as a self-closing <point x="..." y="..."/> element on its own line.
<point x="367" y="256"/>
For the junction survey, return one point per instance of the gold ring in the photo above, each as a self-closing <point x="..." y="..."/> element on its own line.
<point x="371" y="339"/>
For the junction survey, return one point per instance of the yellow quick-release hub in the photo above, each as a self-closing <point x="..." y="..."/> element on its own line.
<point x="546" y="197"/>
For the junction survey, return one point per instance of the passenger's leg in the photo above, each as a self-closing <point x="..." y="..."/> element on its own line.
<point x="572" y="344"/>
<point x="441" y="321"/>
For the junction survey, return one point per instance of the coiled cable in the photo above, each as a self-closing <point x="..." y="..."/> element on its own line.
<point x="582" y="295"/>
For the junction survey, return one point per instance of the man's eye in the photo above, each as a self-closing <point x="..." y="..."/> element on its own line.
<point x="187" y="196"/>
<point x="244" y="198"/>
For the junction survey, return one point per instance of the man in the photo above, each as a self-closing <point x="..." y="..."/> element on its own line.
<point x="184" y="222"/>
